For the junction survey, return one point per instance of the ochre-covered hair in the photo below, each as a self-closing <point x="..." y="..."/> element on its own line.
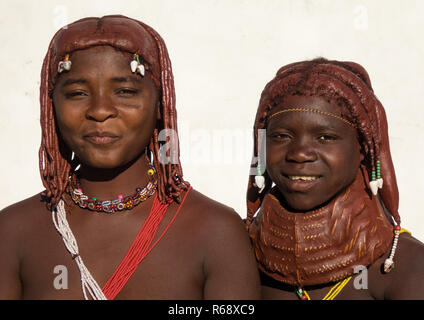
<point x="127" y="35"/>
<point x="347" y="85"/>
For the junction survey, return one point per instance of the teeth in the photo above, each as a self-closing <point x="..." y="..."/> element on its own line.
<point x="308" y="178"/>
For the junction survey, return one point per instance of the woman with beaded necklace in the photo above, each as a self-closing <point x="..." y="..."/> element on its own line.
<point x="329" y="228"/>
<point x="117" y="214"/>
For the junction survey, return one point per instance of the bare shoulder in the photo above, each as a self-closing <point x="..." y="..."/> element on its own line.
<point x="407" y="277"/>
<point x="17" y="225"/>
<point x="211" y="214"/>
<point x="229" y="264"/>
<point x="22" y="215"/>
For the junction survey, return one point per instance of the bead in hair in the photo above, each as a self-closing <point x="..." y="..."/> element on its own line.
<point x="137" y="66"/>
<point x="64" y="65"/>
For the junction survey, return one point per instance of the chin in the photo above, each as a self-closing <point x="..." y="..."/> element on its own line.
<point x="107" y="163"/>
<point x="301" y="202"/>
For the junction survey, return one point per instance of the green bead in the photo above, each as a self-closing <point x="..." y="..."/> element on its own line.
<point x="94" y="198"/>
<point x="299" y="293"/>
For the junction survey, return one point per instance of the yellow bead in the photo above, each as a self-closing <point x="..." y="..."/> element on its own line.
<point x="150" y="172"/>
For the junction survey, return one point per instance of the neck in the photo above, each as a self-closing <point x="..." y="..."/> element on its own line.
<point x="107" y="184"/>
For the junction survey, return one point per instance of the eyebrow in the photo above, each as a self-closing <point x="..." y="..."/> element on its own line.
<point x="72" y="81"/>
<point x="126" y="79"/>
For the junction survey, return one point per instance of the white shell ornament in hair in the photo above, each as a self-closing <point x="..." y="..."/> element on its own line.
<point x="140" y="69"/>
<point x="137" y="66"/>
<point x="260" y="182"/>
<point x="134" y="65"/>
<point x="374" y="187"/>
<point x="64" y="65"/>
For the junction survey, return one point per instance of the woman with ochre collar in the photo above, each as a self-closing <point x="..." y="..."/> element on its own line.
<point x="330" y="227"/>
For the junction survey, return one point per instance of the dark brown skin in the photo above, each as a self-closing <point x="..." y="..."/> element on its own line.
<point x="205" y="254"/>
<point x="311" y="144"/>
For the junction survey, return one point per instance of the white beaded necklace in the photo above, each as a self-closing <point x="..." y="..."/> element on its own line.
<point x="87" y="281"/>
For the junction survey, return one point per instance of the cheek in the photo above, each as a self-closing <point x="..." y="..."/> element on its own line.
<point x="345" y="163"/>
<point x="67" y="123"/>
<point x="140" y="126"/>
<point x="275" y="154"/>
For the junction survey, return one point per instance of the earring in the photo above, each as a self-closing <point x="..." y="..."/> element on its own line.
<point x="260" y="180"/>
<point x="379" y="178"/>
<point x="64" y="65"/>
<point x="136" y="65"/>
<point x="376" y="179"/>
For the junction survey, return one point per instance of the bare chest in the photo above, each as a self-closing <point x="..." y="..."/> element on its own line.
<point x="171" y="270"/>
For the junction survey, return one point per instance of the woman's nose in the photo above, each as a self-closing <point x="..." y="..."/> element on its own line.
<point x="101" y="108"/>
<point x="301" y="150"/>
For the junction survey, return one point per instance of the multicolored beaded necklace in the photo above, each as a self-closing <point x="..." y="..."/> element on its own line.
<point x="117" y="205"/>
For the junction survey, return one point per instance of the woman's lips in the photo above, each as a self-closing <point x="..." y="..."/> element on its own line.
<point x="101" y="138"/>
<point x="300" y="183"/>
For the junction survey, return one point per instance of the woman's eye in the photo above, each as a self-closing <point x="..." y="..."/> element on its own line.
<point x="327" y="137"/>
<point x="279" y="136"/>
<point x="127" y="92"/>
<point x="75" y="94"/>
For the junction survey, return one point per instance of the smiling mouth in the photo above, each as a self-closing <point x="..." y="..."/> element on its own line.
<point x="300" y="183"/>
<point x="303" y="178"/>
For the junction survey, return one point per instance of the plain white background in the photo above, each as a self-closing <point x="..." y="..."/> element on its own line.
<point x="223" y="54"/>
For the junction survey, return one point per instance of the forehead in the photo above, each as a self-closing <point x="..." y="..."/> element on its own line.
<point x="307" y="108"/>
<point x="100" y="57"/>
<point x="102" y="64"/>
<point x="99" y="63"/>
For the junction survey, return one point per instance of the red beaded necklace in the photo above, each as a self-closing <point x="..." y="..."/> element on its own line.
<point x="140" y="247"/>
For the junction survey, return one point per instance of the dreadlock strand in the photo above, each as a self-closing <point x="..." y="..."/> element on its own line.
<point x="169" y="114"/>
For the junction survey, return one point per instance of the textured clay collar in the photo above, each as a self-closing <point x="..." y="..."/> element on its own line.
<point x="324" y="245"/>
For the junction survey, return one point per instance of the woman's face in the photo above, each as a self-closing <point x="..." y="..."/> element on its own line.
<point x="311" y="157"/>
<point x="105" y="113"/>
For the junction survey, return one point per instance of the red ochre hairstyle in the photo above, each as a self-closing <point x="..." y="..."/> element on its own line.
<point x="127" y="35"/>
<point x="347" y="85"/>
